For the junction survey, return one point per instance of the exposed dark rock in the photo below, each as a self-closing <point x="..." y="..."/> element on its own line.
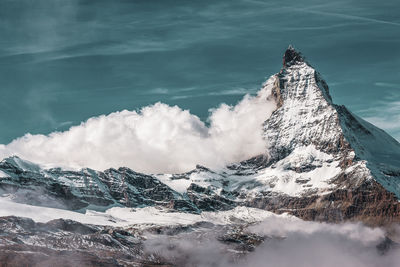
<point x="291" y="56"/>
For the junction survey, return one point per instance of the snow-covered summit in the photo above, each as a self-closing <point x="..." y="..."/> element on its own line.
<point x="307" y="116"/>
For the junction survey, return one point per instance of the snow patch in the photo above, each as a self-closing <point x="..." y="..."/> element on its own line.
<point x="3" y="174"/>
<point x="305" y="169"/>
<point x="142" y="217"/>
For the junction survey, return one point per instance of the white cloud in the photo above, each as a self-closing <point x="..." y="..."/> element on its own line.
<point x="158" y="138"/>
<point x="289" y="242"/>
<point x="390" y="85"/>
<point x="236" y="91"/>
<point x="320" y="244"/>
<point x="386" y="115"/>
<point x="158" y="91"/>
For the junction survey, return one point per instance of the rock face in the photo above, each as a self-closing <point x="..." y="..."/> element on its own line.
<point x="323" y="163"/>
<point x="306" y="115"/>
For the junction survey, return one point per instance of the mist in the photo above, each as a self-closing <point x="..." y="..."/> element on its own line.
<point x="288" y="242"/>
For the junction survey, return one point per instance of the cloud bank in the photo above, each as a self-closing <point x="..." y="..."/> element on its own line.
<point x="320" y="244"/>
<point x="289" y="242"/>
<point x="157" y="139"/>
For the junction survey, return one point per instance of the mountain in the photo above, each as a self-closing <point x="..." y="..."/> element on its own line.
<point x="322" y="163"/>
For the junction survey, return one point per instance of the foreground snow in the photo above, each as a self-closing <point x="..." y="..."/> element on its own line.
<point x="122" y="217"/>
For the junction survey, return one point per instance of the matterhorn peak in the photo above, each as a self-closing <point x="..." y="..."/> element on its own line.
<point x="306" y="117"/>
<point x="305" y="114"/>
<point x="292" y="56"/>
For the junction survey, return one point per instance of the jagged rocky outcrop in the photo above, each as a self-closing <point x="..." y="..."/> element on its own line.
<point x="79" y="190"/>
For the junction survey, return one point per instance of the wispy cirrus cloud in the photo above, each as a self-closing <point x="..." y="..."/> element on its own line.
<point x="385" y="114"/>
<point x="234" y="91"/>
<point x="384" y="84"/>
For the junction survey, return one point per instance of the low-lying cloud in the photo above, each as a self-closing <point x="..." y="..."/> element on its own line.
<point x="320" y="244"/>
<point x="157" y="139"/>
<point x="289" y="242"/>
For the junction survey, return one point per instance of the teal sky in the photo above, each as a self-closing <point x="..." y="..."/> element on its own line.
<point x="64" y="61"/>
